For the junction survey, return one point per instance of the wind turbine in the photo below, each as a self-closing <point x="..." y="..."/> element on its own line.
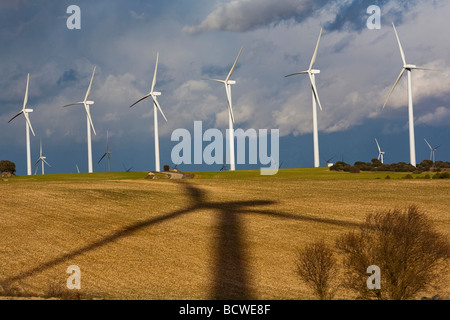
<point x="408" y="68"/>
<point x="380" y="153"/>
<point x="25" y="112"/>
<point x="78" y="169"/>
<point x="328" y="162"/>
<point x="107" y="153"/>
<point x="315" y="98"/>
<point x="42" y="160"/>
<point x="433" y="150"/>
<point x="156" y="107"/>
<point x="125" y="168"/>
<point x="87" y="105"/>
<point x="228" y="83"/>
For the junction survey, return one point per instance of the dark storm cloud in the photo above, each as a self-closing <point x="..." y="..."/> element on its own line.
<point x="68" y="76"/>
<point x="248" y="15"/>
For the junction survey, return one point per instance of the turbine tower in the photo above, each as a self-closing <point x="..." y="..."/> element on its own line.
<point x="433" y="150"/>
<point x="89" y="123"/>
<point x="228" y="83"/>
<point x="156" y="107"/>
<point x="408" y="68"/>
<point x="42" y="160"/>
<point x="107" y="153"/>
<point x="25" y="112"/>
<point x="380" y="153"/>
<point x="315" y="98"/>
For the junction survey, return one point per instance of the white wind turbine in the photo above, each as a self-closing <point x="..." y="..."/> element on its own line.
<point x="107" y="153"/>
<point x="380" y="153"/>
<point x="228" y="83"/>
<point x="42" y="160"/>
<point x="315" y="98"/>
<point x="433" y="150"/>
<point x="408" y="68"/>
<point x="156" y="107"/>
<point x="87" y="105"/>
<point x="25" y="112"/>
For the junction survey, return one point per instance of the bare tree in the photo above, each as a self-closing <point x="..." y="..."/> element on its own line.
<point x="316" y="266"/>
<point x="406" y="247"/>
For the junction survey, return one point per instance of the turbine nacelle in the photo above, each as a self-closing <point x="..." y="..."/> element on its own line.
<point x="231" y="82"/>
<point x="155" y="93"/>
<point x="313" y="71"/>
<point x="410" y="66"/>
<point x="28" y="110"/>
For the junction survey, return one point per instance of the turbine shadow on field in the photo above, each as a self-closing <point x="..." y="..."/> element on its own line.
<point x="231" y="274"/>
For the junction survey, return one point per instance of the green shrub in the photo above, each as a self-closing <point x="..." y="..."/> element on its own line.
<point x="442" y="175"/>
<point x="354" y="170"/>
<point x="7" y="166"/>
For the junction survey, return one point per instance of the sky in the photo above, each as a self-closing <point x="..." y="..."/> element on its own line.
<point x="199" y="39"/>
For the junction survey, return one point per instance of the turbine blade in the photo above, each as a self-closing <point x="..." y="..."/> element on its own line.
<point x="107" y="140"/>
<point x="90" y="118"/>
<point x="143" y="98"/>
<point x="221" y="81"/>
<point x="29" y="122"/>
<point x="40" y="152"/>
<point x="73" y="104"/>
<point x="15" y="116"/>
<point x="315" y="91"/>
<point x="395" y="84"/>
<point x="427" y="69"/>
<point x="400" y="45"/>
<point x="313" y="60"/>
<point x="90" y="85"/>
<point x="230" y="108"/>
<point x="101" y="158"/>
<point x="296" y="74"/>
<point x="379" y="149"/>
<point x="234" y="66"/>
<point x="36" y="163"/>
<point x="46" y="163"/>
<point x="428" y="144"/>
<point x="25" y="100"/>
<point x="438" y="147"/>
<point x="156" y="71"/>
<point x="159" y="107"/>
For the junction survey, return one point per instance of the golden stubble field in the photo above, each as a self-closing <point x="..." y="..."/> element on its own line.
<point x="190" y="239"/>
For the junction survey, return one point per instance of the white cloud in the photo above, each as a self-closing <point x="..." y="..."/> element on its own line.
<point x="439" y="116"/>
<point x="244" y="15"/>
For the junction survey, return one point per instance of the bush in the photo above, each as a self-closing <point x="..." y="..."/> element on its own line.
<point x="340" y="166"/>
<point x="316" y="267"/>
<point x="354" y="170"/>
<point x="166" y="167"/>
<point x="405" y="245"/>
<point x="408" y="176"/>
<point x="388" y="177"/>
<point x="442" y="175"/>
<point x="7" y="166"/>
